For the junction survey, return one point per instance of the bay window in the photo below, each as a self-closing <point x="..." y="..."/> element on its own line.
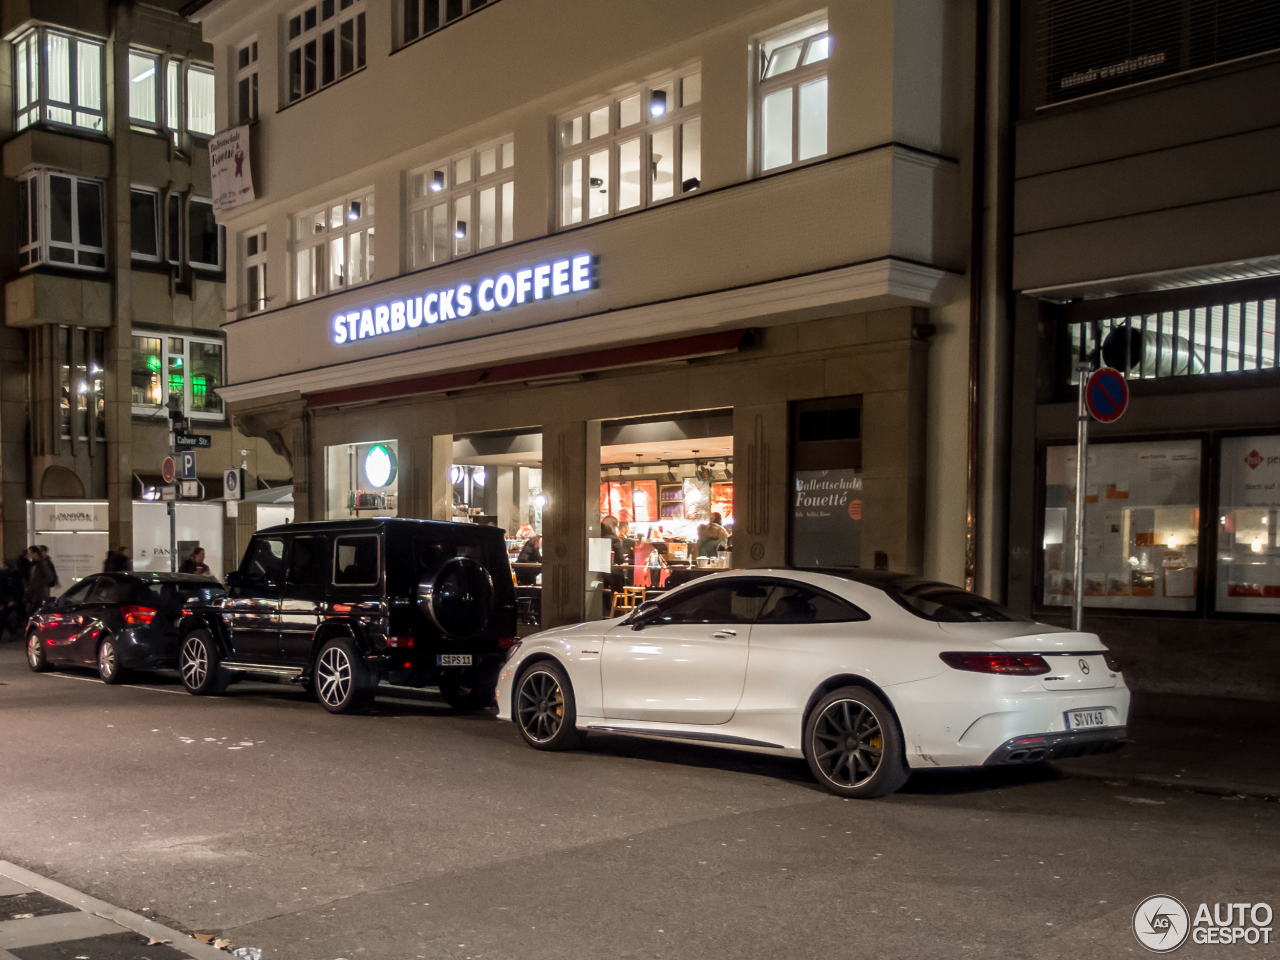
<point x="82" y="406"/>
<point x="183" y="104"/>
<point x="144" y="87"/>
<point x="333" y="246"/>
<point x="58" y="78"/>
<point x="189" y="368"/>
<point x="205" y="239"/>
<point x="326" y="42"/>
<point x="633" y="150"/>
<point x="792" y="96"/>
<point x="60" y="221"/>
<point x="144" y="219"/>
<point x="463" y="204"/>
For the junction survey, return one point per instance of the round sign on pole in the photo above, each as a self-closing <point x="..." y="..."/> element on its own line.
<point x="167" y="470"/>
<point x="1106" y="394"/>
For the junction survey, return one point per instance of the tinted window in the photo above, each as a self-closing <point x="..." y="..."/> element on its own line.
<point x="105" y="590"/>
<point x="793" y="603"/>
<point x="308" y="558"/>
<point x="169" y="593"/>
<point x="355" y="560"/>
<point x="264" y="560"/>
<point x="77" y="593"/>
<point x="943" y="603"/>
<point x="726" y="602"/>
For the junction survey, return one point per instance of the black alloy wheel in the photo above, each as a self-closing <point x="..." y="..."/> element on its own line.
<point x="343" y="683"/>
<point x="109" y="669"/>
<point x="545" y="712"/>
<point x="854" y="745"/>
<point x="37" y="655"/>
<point x="201" y="667"/>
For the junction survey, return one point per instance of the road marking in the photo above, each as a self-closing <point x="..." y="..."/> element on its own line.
<point x="128" y="686"/>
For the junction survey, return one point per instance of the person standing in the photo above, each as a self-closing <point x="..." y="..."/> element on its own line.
<point x="195" y="563"/>
<point x="531" y="552"/>
<point x="40" y="581"/>
<point x="711" y="537"/>
<point x="53" y="571"/>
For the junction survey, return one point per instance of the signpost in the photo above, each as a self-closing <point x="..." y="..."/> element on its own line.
<point x="168" y="470"/>
<point x="1104" y="395"/>
<point x="201" y="441"/>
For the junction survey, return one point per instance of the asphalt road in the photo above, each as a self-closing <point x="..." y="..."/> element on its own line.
<point x="414" y="833"/>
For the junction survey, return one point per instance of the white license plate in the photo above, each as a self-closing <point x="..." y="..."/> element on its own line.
<point x="453" y="660"/>
<point x="1079" y="719"/>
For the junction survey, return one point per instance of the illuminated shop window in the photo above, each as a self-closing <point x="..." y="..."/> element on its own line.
<point x="333" y="246"/>
<point x="190" y="368"/>
<point x="326" y="42"/>
<point x="463" y="204"/>
<point x="792" y="96"/>
<point x="640" y="147"/>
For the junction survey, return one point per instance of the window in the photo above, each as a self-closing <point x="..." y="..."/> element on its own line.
<point x="423" y="16"/>
<point x="333" y="246"/>
<point x="200" y="117"/>
<point x="308" y="561"/>
<point x="326" y="43"/>
<point x="793" y="603"/>
<point x="68" y="91"/>
<point x="944" y="603"/>
<point x="60" y="221"/>
<point x="82" y="406"/>
<point x="247" y="82"/>
<point x="77" y="593"/>
<point x="463" y="204"/>
<point x="735" y="601"/>
<point x="144" y="216"/>
<point x="792" y="121"/>
<point x="205" y="239"/>
<point x="355" y="561"/>
<point x="144" y="82"/>
<point x="1142" y="525"/>
<point x="183" y="105"/>
<point x="255" y="270"/>
<point x="639" y="148"/>
<point x="1249" y="510"/>
<point x="264" y="560"/>
<point x="190" y="368"/>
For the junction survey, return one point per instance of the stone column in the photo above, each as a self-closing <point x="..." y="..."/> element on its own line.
<point x="13" y="441"/>
<point x="425" y="492"/>
<point x="760" y="500"/>
<point x="570" y="479"/>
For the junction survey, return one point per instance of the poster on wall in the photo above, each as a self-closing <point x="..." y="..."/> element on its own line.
<point x="644" y="500"/>
<point x="1248" y="553"/>
<point x="75" y="531"/>
<point x="826" y="518"/>
<point x="197" y="524"/>
<point x="722" y="502"/>
<point x="229" y="168"/>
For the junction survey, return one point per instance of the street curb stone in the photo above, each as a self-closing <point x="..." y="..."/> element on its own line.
<point x="1214" y="787"/>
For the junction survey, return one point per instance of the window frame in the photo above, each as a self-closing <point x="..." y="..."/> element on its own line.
<point x="365" y="224"/>
<point x="255" y="264"/>
<point x="337" y="546"/>
<point x="39" y="105"/>
<point x="38" y="248"/>
<point x="343" y="11"/>
<point x="166" y="337"/>
<point x="401" y="9"/>
<point x="794" y="78"/>
<point x="157" y="122"/>
<point x="158" y="197"/>
<point x="673" y="118"/>
<point x="221" y="265"/>
<point x="88" y="345"/>
<point x="421" y="249"/>
<point x="247" y="74"/>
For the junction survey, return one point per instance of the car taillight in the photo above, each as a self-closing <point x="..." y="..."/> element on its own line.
<point x="138" y="616"/>
<point x="1009" y="664"/>
<point x="506" y="643"/>
<point x="1112" y="663"/>
<point x="400" y="643"/>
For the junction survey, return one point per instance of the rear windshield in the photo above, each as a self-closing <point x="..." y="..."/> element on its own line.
<point x="943" y="603"/>
<point x="170" y="593"/>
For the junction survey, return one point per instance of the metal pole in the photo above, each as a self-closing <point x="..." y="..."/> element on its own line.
<point x="1082" y="496"/>
<point x="173" y="509"/>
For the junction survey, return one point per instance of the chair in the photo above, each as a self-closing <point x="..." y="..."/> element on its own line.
<point x="626" y="600"/>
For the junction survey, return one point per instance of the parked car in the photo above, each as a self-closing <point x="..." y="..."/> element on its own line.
<point x="116" y="622"/>
<point x="338" y="606"/>
<point x="866" y="675"/>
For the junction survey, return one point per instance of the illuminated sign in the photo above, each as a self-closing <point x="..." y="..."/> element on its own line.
<point x="543" y="281"/>
<point x="379" y="466"/>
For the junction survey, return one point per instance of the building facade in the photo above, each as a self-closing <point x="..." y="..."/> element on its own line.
<point x="114" y="271"/>
<point x="1145" y="201"/>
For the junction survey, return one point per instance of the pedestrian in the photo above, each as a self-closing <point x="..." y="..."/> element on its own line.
<point x="531" y="552"/>
<point x="195" y="563"/>
<point x="118" y="561"/>
<point x="45" y="555"/>
<point x="40" y="581"/>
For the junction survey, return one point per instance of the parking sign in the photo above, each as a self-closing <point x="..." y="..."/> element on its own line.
<point x="188" y="464"/>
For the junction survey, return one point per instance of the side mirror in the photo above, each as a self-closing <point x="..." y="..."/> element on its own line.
<point x="643" y="614"/>
<point x="234" y="579"/>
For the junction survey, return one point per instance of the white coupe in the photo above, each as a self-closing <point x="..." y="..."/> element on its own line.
<point x="868" y="676"/>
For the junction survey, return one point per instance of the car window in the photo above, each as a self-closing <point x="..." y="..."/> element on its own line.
<point x="308" y="561"/>
<point x="355" y="561"/>
<point x="171" y="593"/>
<point x="77" y="593"/>
<point x="943" y="603"/>
<point x="735" y="601"/>
<point x="264" y="559"/>
<point x="105" y="590"/>
<point x="794" y="603"/>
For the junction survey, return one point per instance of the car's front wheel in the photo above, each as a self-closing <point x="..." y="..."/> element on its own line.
<point x="37" y="657"/>
<point x="200" y="665"/>
<point x="544" y="709"/>
<point x="109" y="669"/>
<point x="854" y="745"/>
<point x="343" y="683"/>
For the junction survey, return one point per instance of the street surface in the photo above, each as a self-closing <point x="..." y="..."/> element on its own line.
<point x="411" y="832"/>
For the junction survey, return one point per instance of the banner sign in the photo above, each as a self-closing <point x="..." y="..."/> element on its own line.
<point x="826" y="518"/>
<point x="229" y="167"/>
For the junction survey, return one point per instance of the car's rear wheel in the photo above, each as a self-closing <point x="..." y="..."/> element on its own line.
<point x="37" y="656"/>
<point x="470" y="690"/>
<point x="544" y="709"/>
<point x="342" y="681"/>
<point x="109" y="669"/>
<point x="201" y="667"/>
<point x="854" y="745"/>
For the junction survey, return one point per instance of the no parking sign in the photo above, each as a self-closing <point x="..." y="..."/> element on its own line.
<point x="1106" y="395"/>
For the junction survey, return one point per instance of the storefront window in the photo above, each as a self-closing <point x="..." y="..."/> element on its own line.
<point x="362" y="479"/>
<point x="1248" y="557"/>
<point x="1142" y="525"/>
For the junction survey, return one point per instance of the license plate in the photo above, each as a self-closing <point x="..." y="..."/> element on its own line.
<point x="453" y="660"/>
<point x="1079" y="719"/>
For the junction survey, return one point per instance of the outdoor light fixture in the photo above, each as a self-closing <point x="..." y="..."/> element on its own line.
<point x="354" y="212"/>
<point x="437" y="181"/>
<point x="657" y="103"/>
<point x="460" y="230"/>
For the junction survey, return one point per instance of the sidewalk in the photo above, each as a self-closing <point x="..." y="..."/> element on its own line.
<point x="1204" y="756"/>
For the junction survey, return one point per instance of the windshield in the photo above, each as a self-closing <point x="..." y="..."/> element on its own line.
<point x="943" y="603"/>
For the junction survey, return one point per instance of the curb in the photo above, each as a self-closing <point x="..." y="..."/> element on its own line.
<point x="1213" y="787"/>
<point x="131" y="921"/>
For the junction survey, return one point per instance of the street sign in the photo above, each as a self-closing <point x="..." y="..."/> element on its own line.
<point x="188" y="458"/>
<point x="191" y="488"/>
<point x="200" y="441"/>
<point x="233" y="508"/>
<point x="169" y="492"/>
<point x="168" y="470"/>
<point x="1107" y="395"/>
<point x="233" y="485"/>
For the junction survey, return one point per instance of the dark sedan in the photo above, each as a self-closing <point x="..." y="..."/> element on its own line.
<point x="116" y="622"/>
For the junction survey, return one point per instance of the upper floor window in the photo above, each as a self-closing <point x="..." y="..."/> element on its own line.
<point x="82" y="406"/>
<point x="326" y="43"/>
<point x="423" y="16"/>
<point x="793" y="96"/>
<point x="146" y="237"/>
<point x="333" y="246"/>
<point x="144" y="87"/>
<point x="255" y="270"/>
<point x="161" y="107"/>
<point x="247" y="82"/>
<point x="463" y="204"/>
<point x="189" y="368"/>
<point x="641" y="147"/>
<point x="60" y="221"/>
<point x="58" y="78"/>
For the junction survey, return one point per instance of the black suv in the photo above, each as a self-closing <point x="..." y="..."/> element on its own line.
<point x="337" y="606"/>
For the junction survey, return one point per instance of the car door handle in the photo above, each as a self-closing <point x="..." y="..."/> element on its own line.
<point x="724" y="634"/>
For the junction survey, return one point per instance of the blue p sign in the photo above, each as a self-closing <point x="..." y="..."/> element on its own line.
<point x="188" y="464"/>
